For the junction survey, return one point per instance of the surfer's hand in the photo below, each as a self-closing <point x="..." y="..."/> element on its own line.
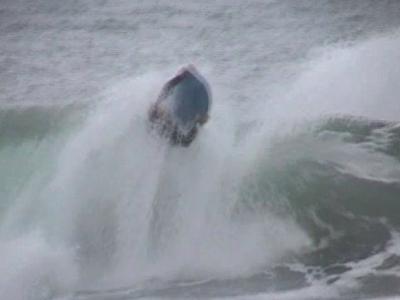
<point x="203" y="120"/>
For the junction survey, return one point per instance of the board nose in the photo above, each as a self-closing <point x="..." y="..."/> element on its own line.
<point x="187" y="68"/>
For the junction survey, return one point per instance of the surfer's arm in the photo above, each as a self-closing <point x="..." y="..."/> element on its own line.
<point x="153" y="115"/>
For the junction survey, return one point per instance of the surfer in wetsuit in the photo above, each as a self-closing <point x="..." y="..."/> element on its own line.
<point x="182" y="106"/>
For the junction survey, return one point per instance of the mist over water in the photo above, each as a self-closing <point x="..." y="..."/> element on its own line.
<point x="290" y="190"/>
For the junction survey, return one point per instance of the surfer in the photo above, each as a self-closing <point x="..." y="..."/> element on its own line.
<point x="182" y="107"/>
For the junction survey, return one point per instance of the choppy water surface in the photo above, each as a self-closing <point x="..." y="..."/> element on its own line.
<point x="291" y="190"/>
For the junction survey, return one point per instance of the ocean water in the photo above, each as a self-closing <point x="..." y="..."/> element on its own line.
<point x="290" y="191"/>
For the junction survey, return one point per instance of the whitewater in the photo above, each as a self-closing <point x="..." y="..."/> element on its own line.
<point x="290" y="191"/>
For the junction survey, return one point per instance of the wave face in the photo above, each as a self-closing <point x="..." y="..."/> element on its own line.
<point x="289" y="192"/>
